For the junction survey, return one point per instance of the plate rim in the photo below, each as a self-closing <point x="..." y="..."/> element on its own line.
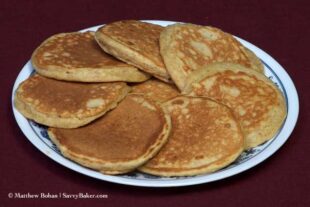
<point x="285" y="132"/>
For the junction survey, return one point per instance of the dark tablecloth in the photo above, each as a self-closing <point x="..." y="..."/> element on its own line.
<point x="281" y="29"/>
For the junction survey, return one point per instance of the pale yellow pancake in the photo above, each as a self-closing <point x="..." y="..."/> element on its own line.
<point x="204" y="137"/>
<point x="257" y="103"/>
<point x="66" y="104"/>
<point x="77" y="57"/>
<point x="136" y="43"/>
<point x="156" y="90"/>
<point x="187" y="47"/>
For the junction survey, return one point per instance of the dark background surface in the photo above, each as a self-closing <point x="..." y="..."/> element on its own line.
<point x="281" y="29"/>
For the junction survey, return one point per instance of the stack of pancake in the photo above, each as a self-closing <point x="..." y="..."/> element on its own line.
<point x="171" y="101"/>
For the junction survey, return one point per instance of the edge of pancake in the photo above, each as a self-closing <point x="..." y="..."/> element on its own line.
<point x="100" y="74"/>
<point x="256" y="64"/>
<point x="208" y="168"/>
<point x="146" y="89"/>
<point x="108" y="167"/>
<point x="173" y="63"/>
<point x="120" y="51"/>
<point x="54" y="120"/>
<point x="126" y="74"/>
<point x="165" y="39"/>
<point x="202" y="73"/>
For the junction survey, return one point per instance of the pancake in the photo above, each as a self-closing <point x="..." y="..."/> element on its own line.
<point x="136" y="43"/>
<point x="156" y="90"/>
<point x="187" y="47"/>
<point x="257" y="103"/>
<point x="256" y="64"/>
<point x="66" y="104"/>
<point x="118" y="142"/>
<point x="77" y="57"/>
<point x="204" y="137"/>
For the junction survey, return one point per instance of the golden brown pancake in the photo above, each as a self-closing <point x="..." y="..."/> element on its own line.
<point x="204" y="138"/>
<point x="257" y="103"/>
<point x="187" y="47"/>
<point x="256" y="63"/>
<point x="66" y="104"/>
<point x="156" y="90"/>
<point x="120" y="141"/>
<point x="136" y="43"/>
<point x="77" y="57"/>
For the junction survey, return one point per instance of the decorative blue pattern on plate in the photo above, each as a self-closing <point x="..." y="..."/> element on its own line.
<point x="41" y="132"/>
<point x="38" y="136"/>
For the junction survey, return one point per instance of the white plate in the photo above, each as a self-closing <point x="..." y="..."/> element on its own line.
<point x="37" y="134"/>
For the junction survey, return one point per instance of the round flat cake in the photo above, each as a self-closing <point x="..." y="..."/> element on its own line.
<point x="257" y="103"/>
<point x="205" y="137"/>
<point x="66" y="104"/>
<point x="136" y="43"/>
<point x="187" y="47"/>
<point x="119" y="141"/>
<point x="76" y="56"/>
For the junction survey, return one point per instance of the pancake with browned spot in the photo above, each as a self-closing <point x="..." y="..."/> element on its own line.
<point x="66" y="104"/>
<point x="136" y="43"/>
<point x="187" y="47"/>
<point x="156" y="90"/>
<point x="257" y="103"/>
<point x="204" y="137"/>
<point x="256" y="63"/>
<point x="118" y="142"/>
<point x="77" y="57"/>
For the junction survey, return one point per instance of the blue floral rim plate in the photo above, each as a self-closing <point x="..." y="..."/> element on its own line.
<point x="37" y="134"/>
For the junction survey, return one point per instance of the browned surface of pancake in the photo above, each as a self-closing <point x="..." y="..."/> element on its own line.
<point x="136" y="43"/>
<point x="74" y="50"/>
<point x="256" y="63"/>
<point x="77" y="56"/>
<point x="39" y="97"/>
<point x="256" y="102"/>
<point x="156" y="90"/>
<point x="204" y="137"/>
<point x="187" y="47"/>
<point x="119" y="141"/>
